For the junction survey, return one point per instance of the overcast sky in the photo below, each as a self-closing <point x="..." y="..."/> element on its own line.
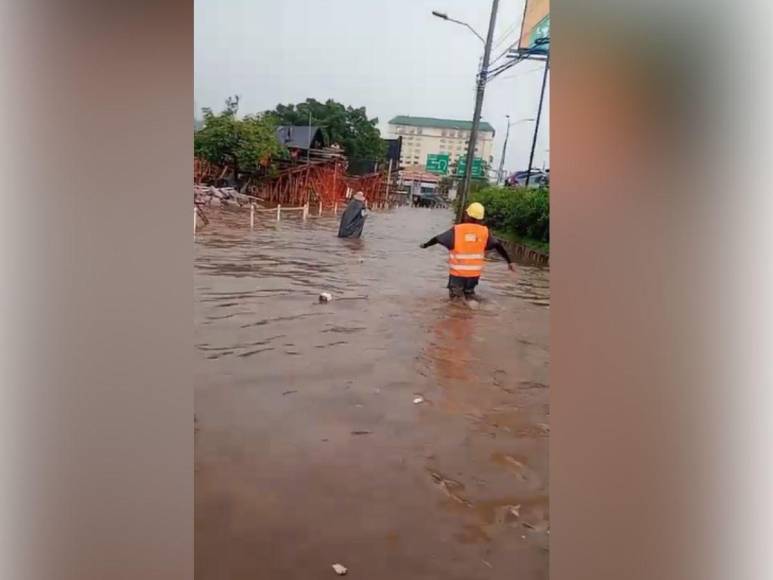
<point x="390" y="56"/>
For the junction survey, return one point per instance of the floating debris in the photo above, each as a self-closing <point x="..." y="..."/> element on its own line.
<point x="453" y="489"/>
<point x="340" y="569"/>
<point x="418" y="400"/>
<point x="325" y="297"/>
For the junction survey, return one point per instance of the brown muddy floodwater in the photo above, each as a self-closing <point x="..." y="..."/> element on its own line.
<point x="310" y="450"/>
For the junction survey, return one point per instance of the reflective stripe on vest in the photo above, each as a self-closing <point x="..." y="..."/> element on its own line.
<point x="467" y="256"/>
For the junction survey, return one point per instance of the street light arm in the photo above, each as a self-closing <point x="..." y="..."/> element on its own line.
<point x="483" y="40"/>
<point x="445" y="17"/>
<point x="522" y="121"/>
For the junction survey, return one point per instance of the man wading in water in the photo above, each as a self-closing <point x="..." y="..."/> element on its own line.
<point x="353" y="218"/>
<point x="467" y="244"/>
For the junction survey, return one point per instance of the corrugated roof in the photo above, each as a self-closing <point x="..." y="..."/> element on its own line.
<point x="438" y="123"/>
<point x="298" y="137"/>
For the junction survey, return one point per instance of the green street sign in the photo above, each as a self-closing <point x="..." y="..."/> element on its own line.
<point x="477" y="166"/>
<point x="540" y="30"/>
<point x="437" y="163"/>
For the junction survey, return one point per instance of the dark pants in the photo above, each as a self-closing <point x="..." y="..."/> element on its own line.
<point x="459" y="286"/>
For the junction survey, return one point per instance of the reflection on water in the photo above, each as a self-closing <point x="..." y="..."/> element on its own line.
<point x="284" y="381"/>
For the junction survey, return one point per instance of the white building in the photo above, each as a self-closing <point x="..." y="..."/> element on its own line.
<point x="426" y="135"/>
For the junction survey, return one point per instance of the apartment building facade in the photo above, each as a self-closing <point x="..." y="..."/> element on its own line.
<point x="423" y="136"/>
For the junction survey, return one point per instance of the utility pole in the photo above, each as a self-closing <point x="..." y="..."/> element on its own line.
<point x="504" y="150"/>
<point x="539" y="116"/>
<point x="308" y="163"/>
<point x="308" y="150"/>
<point x="481" y="88"/>
<point x="504" y="147"/>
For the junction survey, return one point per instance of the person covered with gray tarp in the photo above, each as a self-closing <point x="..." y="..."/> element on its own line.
<point x="353" y="219"/>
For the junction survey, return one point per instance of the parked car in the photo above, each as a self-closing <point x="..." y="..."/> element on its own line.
<point x="538" y="178"/>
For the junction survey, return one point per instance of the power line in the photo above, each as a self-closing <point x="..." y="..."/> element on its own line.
<point x="503" y="53"/>
<point x="522" y="73"/>
<point x="505" y="34"/>
<point x="494" y="72"/>
<point x="497" y="70"/>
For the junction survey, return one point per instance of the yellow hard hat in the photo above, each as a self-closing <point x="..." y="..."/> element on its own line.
<point x="476" y="211"/>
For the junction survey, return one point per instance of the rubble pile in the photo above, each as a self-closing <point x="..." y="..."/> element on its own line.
<point x="210" y="196"/>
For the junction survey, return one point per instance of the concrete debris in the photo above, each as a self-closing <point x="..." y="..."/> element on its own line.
<point x="340" y="570"/>
<point x="210" y="196"/>
<point x="325" y="297"/>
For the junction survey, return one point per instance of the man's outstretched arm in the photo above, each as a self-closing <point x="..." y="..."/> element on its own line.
<point x="495" y="244"/>
<point x="431" y="242"/>
<point x="445" y="239"/>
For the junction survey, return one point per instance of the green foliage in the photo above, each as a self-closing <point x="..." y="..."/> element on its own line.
<point x="478" y="184"/>
<point x="242" y="144"/>
<point x="348" y="127"/>
<point x="518" y="211"/>
<point x="445" y="183"/>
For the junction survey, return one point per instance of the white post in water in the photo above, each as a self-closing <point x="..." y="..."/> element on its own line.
<point x="195" y="219"/>
<point x="320" y="207"/>
<point x="335" y="208"/>
<point x="305" y="210"/>
<point x="278" y="212"/>
<point x="252" y="216"/>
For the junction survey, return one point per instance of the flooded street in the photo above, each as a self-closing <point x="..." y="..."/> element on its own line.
<point x="310" y="449"/>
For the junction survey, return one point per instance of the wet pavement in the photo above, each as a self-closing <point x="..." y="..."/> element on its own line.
<point x="310" y="449"/>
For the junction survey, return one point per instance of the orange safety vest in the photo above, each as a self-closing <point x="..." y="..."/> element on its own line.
<point x="467" y="256"/>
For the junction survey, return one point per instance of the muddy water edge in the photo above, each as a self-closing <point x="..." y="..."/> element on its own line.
<point x="312" y="447"/>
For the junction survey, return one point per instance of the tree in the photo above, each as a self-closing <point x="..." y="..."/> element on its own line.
<point x="241" y="144"/>
<point x="445" y="184"/>
<point x="348" y="127"/>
